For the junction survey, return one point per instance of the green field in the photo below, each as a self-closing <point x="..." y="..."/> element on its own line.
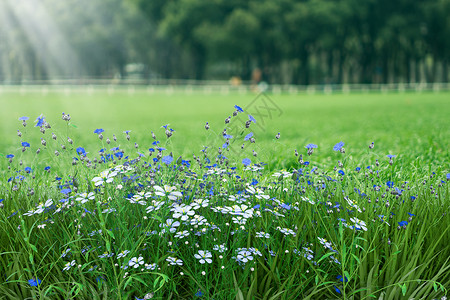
<point x="363" y="223"/>
<point x="409" y="124"/>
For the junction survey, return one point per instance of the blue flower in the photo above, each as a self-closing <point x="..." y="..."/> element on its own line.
<point x="338" y="146"/>
<point x="246" y="161"/>
<point x="248" y="136"/>
<point x="199" y="293"/>
<point x="98" y="131"/>
<point x="81" y="151"/>
<point x="25" y="144"/>
<point x="250" y="117"/>
<point x="10" y="156"/>
<point x="39" y="121"/>
<point x="167" y="159"/>
<point x="391" y="156"/>
<point x="311" y="146"/>
<point x="341" y="172"/>
<point x="66" y="191"/>
<point x="34" y="281"/>
<point x="358" y="169"/>
<point x="403" y="223"/>
<point x="448" y="176"/>
<point x="28" y="169"/>
<point x="411" y="215"/>
<point x="155" y="143"/>
<point x="47" y="168"/>
<point x="23" y="118"/>
<point x="228" y="136"/>
<point x="390" y="184"/>
<point x="239" y="109"/>
<point x="118" y="154"/>
<point x="127" y="131"/>
<point x="341" y="279"/>
<point x="336" y="289"/>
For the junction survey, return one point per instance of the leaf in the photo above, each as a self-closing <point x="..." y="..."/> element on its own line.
<point x="435" y="287"/>
<point x="317" y="279"/>
<point x="404" y="289"/>
<point x="73" y="125"/>
<point x="325" y="256"/>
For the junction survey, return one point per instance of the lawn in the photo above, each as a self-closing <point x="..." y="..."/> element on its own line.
<point x="349" y="201"/>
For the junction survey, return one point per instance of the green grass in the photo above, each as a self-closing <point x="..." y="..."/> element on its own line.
<point x="414" y="124"/>
<point x="384" y="261"/>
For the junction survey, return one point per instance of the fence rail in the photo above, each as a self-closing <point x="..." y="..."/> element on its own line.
<point x="209" y="87"/>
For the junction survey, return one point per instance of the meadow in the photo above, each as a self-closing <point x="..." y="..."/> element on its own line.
<point x="141" y="195"/>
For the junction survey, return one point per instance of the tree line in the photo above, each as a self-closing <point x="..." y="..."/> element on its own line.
<point x="290" y="41"/>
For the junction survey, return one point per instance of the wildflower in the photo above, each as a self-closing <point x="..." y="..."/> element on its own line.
<point x="239" y="109"/>
<point x="341" y="279"/>
<point x="39" y="121"/>
<point x="135" y="262"/>
<point x="167" y="159"/>
<point x="248" y="136"/>
<point x="262" y="234"/>
<point x="221" y="248"/>
<point x="371" y="145"/>
<point x="81" y="151"/>
<point x="311" y="146"/>
<point x="338" y="146"/>
<point x="123" y="254"/>
<point x="336" y="289"/>
<point x="390" y="158"/>
<point x="69" y="265"/>
<point x="341" y="172"/>
<point x="25" y="144"/>
<point x="251" y="119"/>
<point x="174" y="261"/>
<point x="204" y="256"/>
<point x="244" y="256"/>
<point x="182" y="234"/>
<point x="167" y="191"/>
<point x="448" y="176"/>
<point x="85" y="197"/>
<point x="183" y="211"/>
<point x="34" y="281"/>
<point x="246" y="162"/>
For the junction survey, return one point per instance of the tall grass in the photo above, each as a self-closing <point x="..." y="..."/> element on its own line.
<point x="127" y="222"/>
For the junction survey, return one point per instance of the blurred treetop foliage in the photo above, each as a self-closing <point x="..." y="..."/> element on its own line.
<point x="299" y="42"/>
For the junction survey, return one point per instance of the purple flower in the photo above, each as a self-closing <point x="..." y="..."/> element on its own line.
<point x="248" y="136"/>
<point x="338" y="146"/>
<point x="246" y="161"/>
<point x="98" y="131"/>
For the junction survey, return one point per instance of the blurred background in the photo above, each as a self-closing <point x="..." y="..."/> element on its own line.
<point x="308" y="42"/>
